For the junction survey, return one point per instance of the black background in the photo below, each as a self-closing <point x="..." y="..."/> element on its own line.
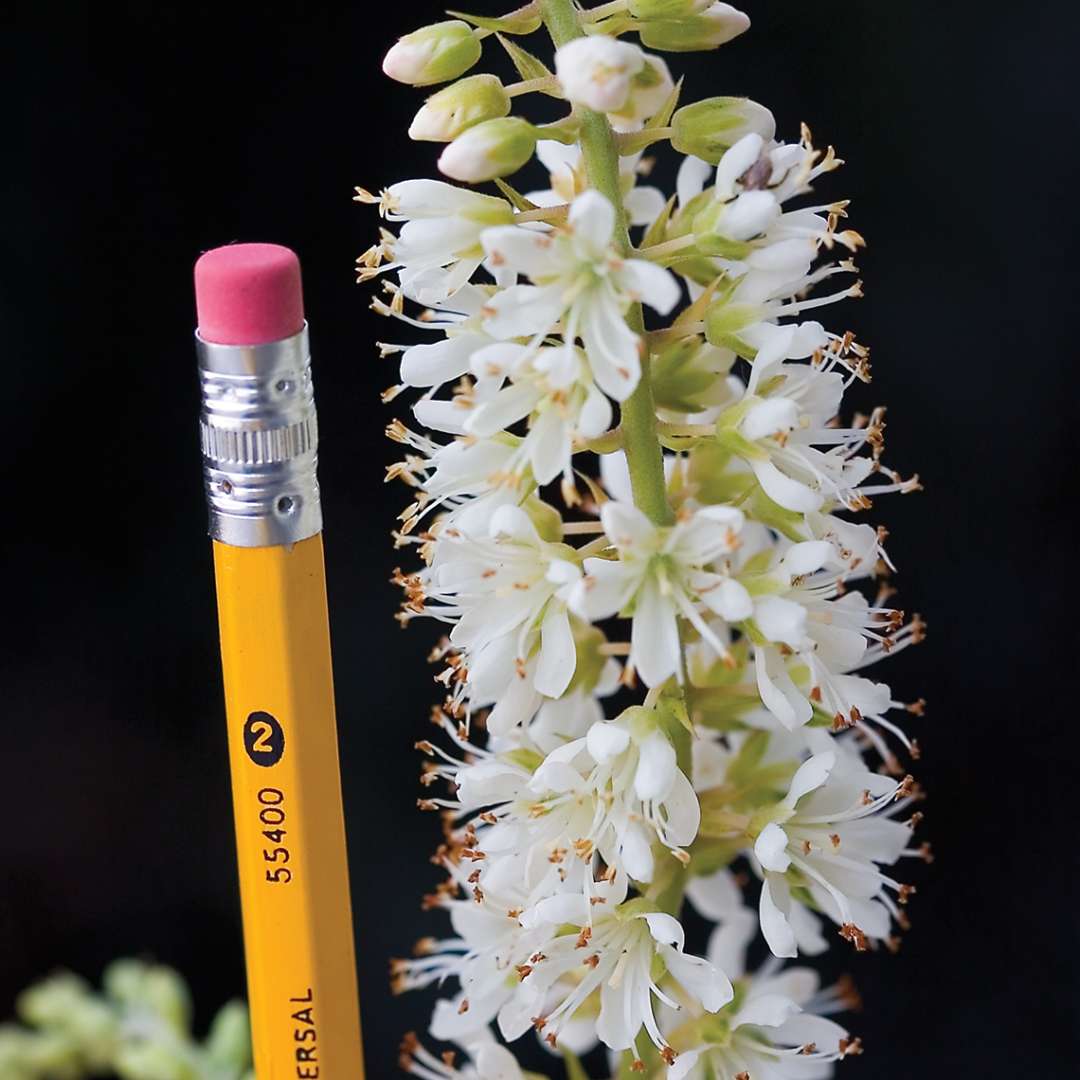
<point x="141" y="134"/>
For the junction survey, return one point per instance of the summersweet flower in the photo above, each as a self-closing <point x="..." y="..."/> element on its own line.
<point x="662" y="573"/>
<point x="442" y="230"/>
<point x="487" y="1061"/>
<point x="581" y="287"/>
<point x="830" y="836"/>
<point x="505" y="593"/>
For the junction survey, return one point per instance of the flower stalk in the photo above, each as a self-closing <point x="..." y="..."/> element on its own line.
<point x="695" y="559"/>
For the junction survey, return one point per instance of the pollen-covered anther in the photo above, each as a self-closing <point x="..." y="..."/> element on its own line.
<point x="592" y="961"/>
<point x="905" y="893"/>
<point x="851" y="933"/>
<point x="668" y="1055"/>
<point x="583" y="937"/>
<point x="851" y="1047"/>
<point x="809" y="1048"/>
<point x="523" y="971"/>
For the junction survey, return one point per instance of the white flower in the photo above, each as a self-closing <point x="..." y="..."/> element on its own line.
<point x="829" y="835"/>
<point x="442" y="231"/>
<point x="580" y="281"/>
<point x="596" y="71"/>
<point x="643" y="204"/>
<point x="661" y="573"/>
<point x="552" y="387"/>
<point x="621" y="951"/>
<point x="487" y="1061"/>
<point x="616" y="793"/>
<point x="505" y="593"/>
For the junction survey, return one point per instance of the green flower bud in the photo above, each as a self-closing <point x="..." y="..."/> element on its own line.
<point x="710" y="29"/>
<point x="157" y="988"/>
<point x="488" y="150"/>
<point x="688" y="376"/>
<point x="667" y="9"/>
<point x="445" y="115"/>
<point x="229" y="1041"/>
<point x="433" y="54"/>
<point x="708" y="128"/>
<point x="155" y="1061"/>
<point x="723" y="321"/>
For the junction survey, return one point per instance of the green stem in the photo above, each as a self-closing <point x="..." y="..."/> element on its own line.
<point x="644" y="455"/>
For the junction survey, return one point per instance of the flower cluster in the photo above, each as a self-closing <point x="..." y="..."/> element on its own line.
<point x="638" y="508"/>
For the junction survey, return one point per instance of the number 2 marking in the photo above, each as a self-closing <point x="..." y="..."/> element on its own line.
<point x="262" y="732"/>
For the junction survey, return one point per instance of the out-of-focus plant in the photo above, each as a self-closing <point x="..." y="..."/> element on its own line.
<point x="138" y="1027"/>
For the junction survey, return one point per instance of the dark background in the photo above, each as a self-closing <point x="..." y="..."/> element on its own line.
<point x="143" y="134"/>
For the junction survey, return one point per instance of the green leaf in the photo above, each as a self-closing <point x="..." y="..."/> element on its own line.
<point x="515" y="196"/>
<point x="662" y="118"/>
<point x="528" y="66"/>
<point x="524" y="21"/>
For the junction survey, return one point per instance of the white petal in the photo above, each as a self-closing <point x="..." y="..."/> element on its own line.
<point x="494" y="1062"/>
<point x="650" y="284"/>
<point x="592" y="219"/>
<point x="693" y="173"/>
<point x="523" y="250"/>
<point x="809" y="776"/>
<point x="656" y="769"/>
<point x="774" y="923"/>
<point x="558" y="655"/>
<point x="781" y="620"/>
<point x="438" y="362"/>
<point x="730" y="601"/>
<point x="627" y="527"/>
<point x="778" y="693"/>
<point x="771" y="848"/>
<point x="783" y="490"/>
<point x="766" y="1010"/>
<point x="607" y="740"/>
<point x="706" y="983"/>
<point x="655" y="649"/>
<point x="806" y="558"/>
<point x="682" y="812"/>
<point x="636" y="854"/>
<point x="523" y="311"/>
<point x="605" y="590"/>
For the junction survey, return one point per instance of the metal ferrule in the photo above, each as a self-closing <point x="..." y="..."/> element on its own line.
<point x="259" y="441"/>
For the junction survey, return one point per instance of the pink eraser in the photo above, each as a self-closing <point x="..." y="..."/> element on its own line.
<point x="248" y="294"/>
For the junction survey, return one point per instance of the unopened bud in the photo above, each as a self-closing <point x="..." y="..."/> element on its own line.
<point x="229" y="1041"/>
<point x="596" y="71"/>
<point x="708" y="128"/>
<point x="688" y="376"/>
<point x="649" y="89"/>
<point x="488" y="150"/>
<point x="433" y="54"/>
<point x="667" y="9"/>
<point x="445" y="115"/>
<point x="709" y="29"/>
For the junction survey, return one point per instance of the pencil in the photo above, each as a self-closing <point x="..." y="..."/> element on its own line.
<point x="259" y="442"/>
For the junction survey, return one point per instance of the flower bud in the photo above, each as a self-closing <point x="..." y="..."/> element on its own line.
<point x="445" y="115"/>
<point x="490" y="149"/>
<point x="688" y="376"/>
<point x="433" y="54"/>
<point x="649" y="89"/>
<point x="707" y="128"/>
<point x="597" y="71"/>
<point x="229" y="1041"/>
<point x="667" y="9"/>
<point x="710" y="29"/>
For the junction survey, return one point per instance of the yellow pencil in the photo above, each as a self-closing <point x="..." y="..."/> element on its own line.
<point x="259" y="441"/>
